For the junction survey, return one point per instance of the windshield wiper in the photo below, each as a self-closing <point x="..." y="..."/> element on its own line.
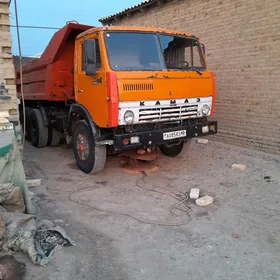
<point x="186" y="68"/>
<point x="198" y="72"/>
<point x="195" y="70"/>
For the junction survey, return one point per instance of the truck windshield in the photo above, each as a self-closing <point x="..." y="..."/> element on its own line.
<point x="133" y="51"/>
<point x="128" y="51"/>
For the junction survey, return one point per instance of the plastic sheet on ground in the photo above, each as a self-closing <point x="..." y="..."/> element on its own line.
<point x="13" y="185"/>
<point x="40" y="243"/>
<point x="18" y="231"/>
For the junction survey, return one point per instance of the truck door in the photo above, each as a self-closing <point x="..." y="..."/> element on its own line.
<point x="91" y="91"/>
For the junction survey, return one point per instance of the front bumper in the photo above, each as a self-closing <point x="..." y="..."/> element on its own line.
<point x="155" y="137"/>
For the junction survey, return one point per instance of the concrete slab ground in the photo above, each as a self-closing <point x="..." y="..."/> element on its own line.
<point x="237" y="237"/>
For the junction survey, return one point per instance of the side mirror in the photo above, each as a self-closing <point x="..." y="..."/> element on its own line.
<point x="90" y="57"/>
<point x="203" y="48"/>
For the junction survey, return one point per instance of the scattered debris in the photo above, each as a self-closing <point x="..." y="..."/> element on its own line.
<point x="202" y="141"/>
<point x="205" y="200"/>
<point x="68" y="139"/>
<point x="48" y="240"/>
<point x="34" y="183"/>
<point x="238" y="167"/>
<point x="142" y="156"/>
<point x="140" y="166"/>
<point x="123" y="162"/>
<point x="2" y="209"/>
<point x="236" y="236"/>
<point x="58" y="221"/>
<point x="11" y="269"/>
<point x="38" y="241"/>
<point x="194" y="193"/>
<point x="3" y="120"/>
<point x="267" y="178"/>
<point x="14" y="195"/>
<point x="149" y="150"/>
<point x="45" y="224"/>
<point x="4" y="92"/>
<point x="4" y="114"/>
<point x="11" y="198"/>
<point x="32" y="195"/>
<point x="18" y="231"/>
<point x="141" y="152"/>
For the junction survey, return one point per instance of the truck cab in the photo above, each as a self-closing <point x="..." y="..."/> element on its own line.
<point x="133" y="87"/>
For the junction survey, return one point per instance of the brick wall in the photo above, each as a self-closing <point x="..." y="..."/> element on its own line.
<point x="242" y="41"/>
<point x="7" y="73"/>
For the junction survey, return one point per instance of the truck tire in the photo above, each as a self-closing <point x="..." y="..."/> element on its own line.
<point x="172" y="150"/>
<point x="89" y="157"/>
<point x="54" y="137"/>
<point x="38" y="131"/>
<point x="27" y="123"/>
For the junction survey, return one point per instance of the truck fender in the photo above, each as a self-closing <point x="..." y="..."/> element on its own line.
<point x="80" y="110"/>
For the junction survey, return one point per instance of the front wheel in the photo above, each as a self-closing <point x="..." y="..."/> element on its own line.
<point x="172" y="150"/>
<point x="89" y="157"/>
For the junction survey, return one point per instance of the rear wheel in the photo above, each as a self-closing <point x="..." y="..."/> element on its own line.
<point x="38" y="131"/>
<point x="172" y="150"/>
<point x="89" y="157"/>
<point x="27" y="123"/>
<point x="54" y="137"/>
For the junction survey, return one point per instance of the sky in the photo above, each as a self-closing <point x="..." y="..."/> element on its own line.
<point x="55" y="13"/>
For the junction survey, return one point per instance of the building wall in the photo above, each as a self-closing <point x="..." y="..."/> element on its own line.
<point x="242" y="41"/>
<point x="7" y="73"/>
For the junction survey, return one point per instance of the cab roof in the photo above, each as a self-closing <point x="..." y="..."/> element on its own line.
<point x="134" y="28"/>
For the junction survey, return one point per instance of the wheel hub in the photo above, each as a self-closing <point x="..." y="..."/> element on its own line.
<point x="82" y="146"/>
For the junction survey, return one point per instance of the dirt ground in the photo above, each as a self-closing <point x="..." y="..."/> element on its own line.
<point x="119" y="246"/>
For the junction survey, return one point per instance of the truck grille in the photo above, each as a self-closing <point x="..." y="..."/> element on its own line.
<point x="168" y="113"/>
<point x="138" y="87"/>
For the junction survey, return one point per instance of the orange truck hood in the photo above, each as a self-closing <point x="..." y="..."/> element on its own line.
<point x="159" y="85"/>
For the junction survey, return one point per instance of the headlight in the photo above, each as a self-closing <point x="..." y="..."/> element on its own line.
<point x="205" y="110"/>
<point x="129" y="117"/>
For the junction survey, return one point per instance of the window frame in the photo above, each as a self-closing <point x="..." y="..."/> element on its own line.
<point x="163" y="62"/>
<point x="97" y="45"/>
<point x="200" y="51"/>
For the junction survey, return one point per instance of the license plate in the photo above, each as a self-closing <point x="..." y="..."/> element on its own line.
<point x="174" y="134"/>
<point x="205" y="129"/>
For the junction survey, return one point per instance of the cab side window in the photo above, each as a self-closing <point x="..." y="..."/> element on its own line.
<point x="98" y="56"/>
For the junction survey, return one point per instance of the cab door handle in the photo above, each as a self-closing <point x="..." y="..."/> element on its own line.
<point x="97" y="81"/>
<point x="80" y="90"/>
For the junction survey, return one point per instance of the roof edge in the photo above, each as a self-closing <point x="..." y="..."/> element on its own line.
<point x="143" y="4"/>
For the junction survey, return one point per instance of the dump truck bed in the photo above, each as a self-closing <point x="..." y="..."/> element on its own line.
<point x="50" y="77"/>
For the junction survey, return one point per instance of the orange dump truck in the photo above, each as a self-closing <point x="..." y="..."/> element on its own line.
<point x="117" y="88"/>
